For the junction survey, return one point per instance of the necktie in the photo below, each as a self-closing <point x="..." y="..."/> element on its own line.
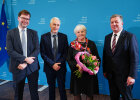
<point x="24" y="43"/>
<point x="114" y="43"/>
<point x="54" y="46"/>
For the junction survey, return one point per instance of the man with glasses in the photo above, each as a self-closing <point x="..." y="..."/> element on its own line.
<point x="23" y="48"/>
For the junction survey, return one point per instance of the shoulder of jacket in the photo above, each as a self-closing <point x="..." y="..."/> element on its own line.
<point x="91" y="42"/>
<point x="62" y="34"/>
<point x="12" y="31"/>
<point x="110" y="34"/>
<point x="31" y="30"/>
<point x="45" y="34"/>
<point x="128" y="33"/>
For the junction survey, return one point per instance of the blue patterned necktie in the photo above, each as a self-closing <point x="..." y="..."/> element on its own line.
<point x="24" y="43"/>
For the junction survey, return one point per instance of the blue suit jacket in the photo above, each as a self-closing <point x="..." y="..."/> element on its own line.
<point x="47" y="51"/>
<point x="125" y="59"/>
<point x="14" y="50"/>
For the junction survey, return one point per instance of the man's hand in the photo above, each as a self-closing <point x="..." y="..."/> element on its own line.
<point x="130" y="81"/>
<point x="22" y="66"/>
<point x="56" y="66"/>
<point x="29" y="60"/>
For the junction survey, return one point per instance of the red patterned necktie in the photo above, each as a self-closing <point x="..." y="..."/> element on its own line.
<point x="114" y="43"/>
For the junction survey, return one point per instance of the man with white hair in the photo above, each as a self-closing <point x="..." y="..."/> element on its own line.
<point x="53" y="48"/>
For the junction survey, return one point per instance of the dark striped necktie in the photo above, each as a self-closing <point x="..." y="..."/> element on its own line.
<point x="114" y="43"/>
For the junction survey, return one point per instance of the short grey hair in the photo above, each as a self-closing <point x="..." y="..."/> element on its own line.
<point x="55" y="18"/>
<point x="117" y="15"/>
<point x="80" y="27"/>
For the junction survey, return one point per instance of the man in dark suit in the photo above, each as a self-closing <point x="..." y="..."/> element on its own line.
<point x="23" y="48"/>
<point x="53" y="48"/>
<point x="120" y="59"/>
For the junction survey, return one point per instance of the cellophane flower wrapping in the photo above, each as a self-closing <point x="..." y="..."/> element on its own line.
<point x="87" y="62"/>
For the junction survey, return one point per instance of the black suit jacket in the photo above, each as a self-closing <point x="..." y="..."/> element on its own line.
<point x="125" y="59"/>
<point x="47" y="51"/>
<point x="14" y="50"/>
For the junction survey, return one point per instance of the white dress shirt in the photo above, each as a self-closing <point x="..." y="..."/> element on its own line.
<point x="117" y="37"/>
<point x="53" y="38"/>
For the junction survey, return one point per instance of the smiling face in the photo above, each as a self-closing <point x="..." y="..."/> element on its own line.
<point x="80" y="31"/>
<point x="116" y="24"/>
<point x="81" y="35"/>
<point x="55" y="25"/>
<point x="23" y="20"/>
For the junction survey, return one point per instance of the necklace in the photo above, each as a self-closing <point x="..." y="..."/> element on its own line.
<point x="78" y="45"/>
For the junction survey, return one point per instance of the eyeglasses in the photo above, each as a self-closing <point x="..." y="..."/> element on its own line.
<point x="25" y="18"/>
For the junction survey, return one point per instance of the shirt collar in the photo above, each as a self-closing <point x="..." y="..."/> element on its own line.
<point x="54" y="34"/>
<point x="20" y="29"/>
<point x="118" y="34"/>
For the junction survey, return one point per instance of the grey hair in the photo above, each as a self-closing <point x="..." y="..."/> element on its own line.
<point x="117" y="15"/>
<point x="79" y="27"/>
<point x="55" y="18"/>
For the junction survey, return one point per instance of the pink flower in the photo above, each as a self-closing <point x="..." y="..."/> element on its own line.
<point x="96" y="69"/>
<point x="86" y="55"/>
<point x="95" y="63"/>
<point x="88" y="61"/>
<point x="83" y="57"/>
<point x="93" y="57"/>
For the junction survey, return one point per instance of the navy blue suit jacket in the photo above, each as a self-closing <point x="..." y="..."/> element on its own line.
<point x="47" y="51"/>
<point x="125" y="59"/>
<point x="14" y="50"/>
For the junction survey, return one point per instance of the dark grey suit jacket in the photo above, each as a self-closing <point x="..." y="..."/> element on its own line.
<point x="14" y="50"/>
<point x="125" y="59"/>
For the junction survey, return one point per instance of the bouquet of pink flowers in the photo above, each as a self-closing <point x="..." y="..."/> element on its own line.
<point x="87" y="62"/>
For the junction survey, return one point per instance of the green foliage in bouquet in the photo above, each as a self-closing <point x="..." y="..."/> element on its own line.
<point x="88" y="61"/>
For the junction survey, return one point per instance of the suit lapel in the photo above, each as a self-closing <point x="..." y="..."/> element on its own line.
<point x="109" y="43"/>
<point x="49" y="42"/>
<point x="28" y="40"/>
<point x="17" y="36"/>
<point x="59" y="46"/>
<point x="59" y="42"/>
